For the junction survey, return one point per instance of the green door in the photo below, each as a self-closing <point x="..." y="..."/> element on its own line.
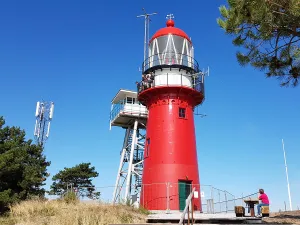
<point x="184" y="189"/>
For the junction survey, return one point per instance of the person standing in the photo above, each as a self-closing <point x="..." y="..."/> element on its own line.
<point x="264" y="201"/>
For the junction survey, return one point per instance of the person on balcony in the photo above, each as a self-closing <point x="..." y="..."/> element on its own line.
<point x="144" y="82"/>
<point x="138" y="85"/>
<point x="150" y="79"/>
<point x="264" y="201"/>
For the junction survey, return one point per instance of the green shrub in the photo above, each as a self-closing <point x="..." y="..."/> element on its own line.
<point x="70" y="197"/>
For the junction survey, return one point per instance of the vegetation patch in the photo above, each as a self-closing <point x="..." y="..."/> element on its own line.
<point x="59" y="212"/>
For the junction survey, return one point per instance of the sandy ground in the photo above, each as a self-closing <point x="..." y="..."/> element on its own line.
<point x="292" y="217"/>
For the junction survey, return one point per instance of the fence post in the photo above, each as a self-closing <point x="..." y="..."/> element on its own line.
<point x="168" y="197"/>
<point x="212" y="197"/>
<point x="242" y="199"/>
<point x="220" y="201"/>
<point x="226" y="202"/>
<point x="234" y="200"/>
<point x="192" y="210"/>
<point x="207" y="206"/>
<point x="210" y="206"/>
<point x="284" y="206"/>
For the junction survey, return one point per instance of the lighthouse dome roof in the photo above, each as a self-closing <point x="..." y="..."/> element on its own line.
<point x="170" y="29"/>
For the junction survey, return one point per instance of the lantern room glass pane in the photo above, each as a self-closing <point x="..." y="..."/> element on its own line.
<point x="170" y="44"/>
<point x="162" y="44"/>
<point x="178" y="43"/>
<point x="169" y="50"/>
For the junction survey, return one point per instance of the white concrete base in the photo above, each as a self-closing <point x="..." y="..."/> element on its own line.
<point x="177" y="214"/>
<point x="218" y="217"/>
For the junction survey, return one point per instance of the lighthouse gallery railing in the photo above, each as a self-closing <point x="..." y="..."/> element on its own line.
<point x="194" y="81"/>
<point x="168" y="59"/>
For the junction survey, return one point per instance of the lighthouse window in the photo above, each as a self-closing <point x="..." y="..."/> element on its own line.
<point x="147" y="147"/>
<point x="181" y="112"/>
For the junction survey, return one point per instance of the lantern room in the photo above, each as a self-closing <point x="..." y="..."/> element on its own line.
<point x="170" y="46"/>
<point x="171" y="63"/>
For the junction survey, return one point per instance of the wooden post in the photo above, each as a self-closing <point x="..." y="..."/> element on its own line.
<point x="186" y="207"/>
<point x="189" y="215"/>
<point x="192" y="211"/>
<point x="251" y="205"/>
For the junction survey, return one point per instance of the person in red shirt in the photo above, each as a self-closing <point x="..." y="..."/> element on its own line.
<point x="264" y="201"/>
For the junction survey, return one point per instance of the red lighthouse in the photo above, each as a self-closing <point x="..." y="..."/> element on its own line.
<point x="172" y="87"/>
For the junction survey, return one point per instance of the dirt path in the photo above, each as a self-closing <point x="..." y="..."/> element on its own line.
<point x="284" y="217"/>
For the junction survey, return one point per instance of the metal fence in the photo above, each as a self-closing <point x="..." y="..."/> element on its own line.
<point x="213" y="200"/>
<point x="163" y="196"/>
<point x="217" y="200"/>
<point x="122" y="107"/>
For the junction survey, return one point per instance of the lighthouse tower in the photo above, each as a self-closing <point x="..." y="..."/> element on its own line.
<point x="171" y="88"/>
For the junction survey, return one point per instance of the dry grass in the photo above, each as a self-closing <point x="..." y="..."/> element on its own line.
<point x="292" y="217"/>
<point x="60" y="213"/>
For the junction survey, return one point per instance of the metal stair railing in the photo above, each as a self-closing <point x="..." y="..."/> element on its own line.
<point x="188" y="205"/>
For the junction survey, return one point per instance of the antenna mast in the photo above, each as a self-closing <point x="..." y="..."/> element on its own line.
<point x="44" y="115"/>
<point x="146" y="38"/>
<point x="287" y="177"/>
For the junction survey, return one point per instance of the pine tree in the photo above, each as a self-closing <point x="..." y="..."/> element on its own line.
<point x="77" y="177"/>
<point x="23" y="167"/>
<point x="269" y="31"/>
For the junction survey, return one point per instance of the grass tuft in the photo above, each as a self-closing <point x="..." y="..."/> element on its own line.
<point x="69" y="212"/>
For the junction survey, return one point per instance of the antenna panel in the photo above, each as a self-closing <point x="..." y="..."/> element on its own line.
<point x="51" y="110"/>
<point x="35" y="127"/>
<point x="48" y="130"/>
<point x="44" y="115"/>
<point x="37" y="109"/>
<point x="43" y="108"/>
<point x="38" y="131"/>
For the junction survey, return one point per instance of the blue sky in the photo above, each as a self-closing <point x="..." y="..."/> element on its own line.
<point x="80" y="53"/>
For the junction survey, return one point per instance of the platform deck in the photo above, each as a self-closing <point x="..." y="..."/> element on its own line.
<point x="219" y="218"/>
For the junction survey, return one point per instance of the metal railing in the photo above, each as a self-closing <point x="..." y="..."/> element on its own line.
<point x="126" y="108"/>
<point x="194" y="81"/>
<point x="220" y="201"/>
<point x="168" y="59"/>
<point x="213" y="200"/>
<point x="188" y="208"/>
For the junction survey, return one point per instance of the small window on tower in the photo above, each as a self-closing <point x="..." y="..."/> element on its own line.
<point x="130" y="100"/>
<point x="181" y="112"/>
<point x="147" y="147"/>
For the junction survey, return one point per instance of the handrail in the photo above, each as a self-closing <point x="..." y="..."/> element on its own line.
<point x="194" y="81"/>
<point x="187" y="204"/>
<point x="127" y="108"/>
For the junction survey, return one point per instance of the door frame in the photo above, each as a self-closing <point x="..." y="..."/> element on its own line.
<point x="187" y="183"/>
